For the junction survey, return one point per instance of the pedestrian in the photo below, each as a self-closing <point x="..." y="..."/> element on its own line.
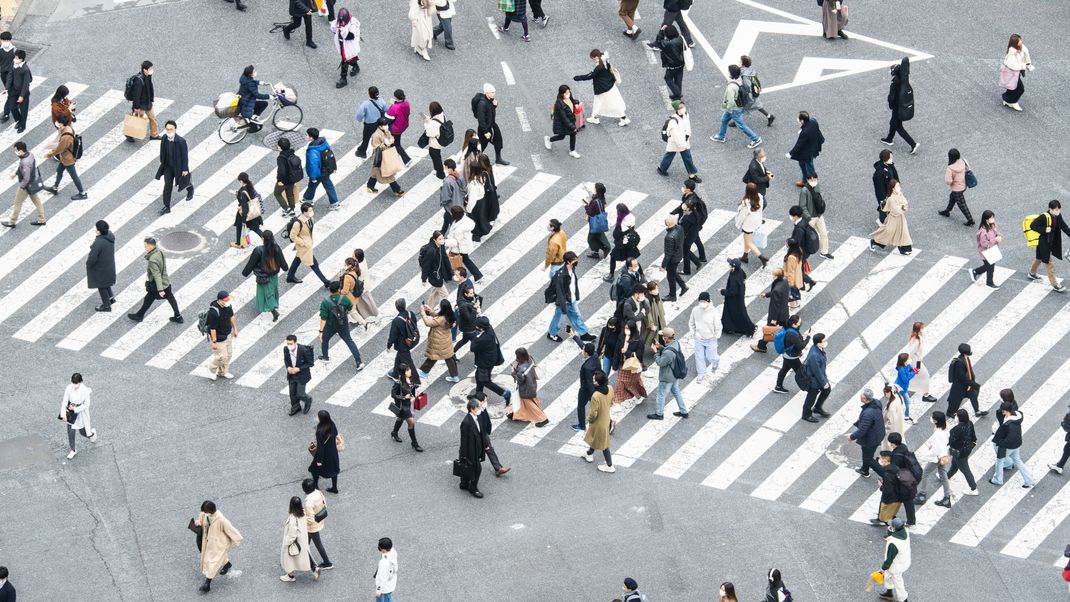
<point x="988" y="241"/>
<point x="631" y="288"/>
<point x="901" y="102"/>
<point x="485" y="109"/>
<point x="807" y="146"/>
<point x="157" y="283"/>
<point x="7" y="61"/>
<point x="690" y="223"/>
<point x="142" y="95"/>
<point x="904" y="373"/>
<point x="472" y="452"/>
<point x="62" y="105"/>
<point x="674" y="253"/>
<point x="301" y="230"/>
<point x="776" y="592"/>
<point x="288" y="175"/>
<point x="1045" y="229"/>
<point x="7" y="591"/>
<point x="964" y="383"/>
<point x="519" y="13"/>
<point x="757" y="173"/>
<point x="884" y="173"/>
<point x="625" y="241"/>
<point x="467" y="309"/>
<point x="654" y="320"/>
<point x="629" y="378"/>
<point x="565" y="284"/>
<point x="298" y="360"/>
<point x="525" y="374"/>
<point x="75" y="412"/>
<point x="598" y="422"/>
<point x="868" y="433"/>
<point x="820" y="388"/>
<point x="439" y="321"/>
<point x="752" y="89"/>
<point x="174" y="165"/>
<point x="325" y="451"/>
<point x="671" y="46"/>
<point x="301" y="11"/>
<point x="589" y="366"/>
<point x="778" y="315"/>
<point x="445" y="10"/>
<point x="631" y="591"/>
<point x="487" y="205"/>
<point x="485" y="427"/>
<point x="1012" y="70"/>
<point x="896" y="561"/>
<point x="320" y="164"/>
<point x="435" y="268"/>
<point x="221" y="325"/>
<point x="475" y="189"/>
<point x="597" y="223"/>
<point x="398" y="115"/>
<point x="250" y="213"/>
<point x="564" y="121"/>
<point x="1008" y="442"/>
<point x="368" y="114"/>
<point x="894" y="230"/>
<point x="793" y="272"/>
<point x="904" y="459"/>
<point x="346" y="30"/>
<point x="386" y="160"/>
<point x="894" y="409"/>
<point x="674" y="10"/>
<point x="386" y="573"/>
<point x="807" y="240"/>
<point x="403" y="338"/>
<point x="334" y="319"/>
<point x="916" y="349"/>
<point x="734" y="318"/>
<point x="458" y="240"/>
<point x="749" y="219"/>
<point x="935" y="457"/>
<point x="434" y="121"/>
<point x="556" y="247"/>
<point x="961" y="441"/>
<point x="608" y="101"/>
<point x="251" y="101"/>
<point x="627" y="13"/>
<point x="403" y="393"/>
<point x="700" y="214"/>
<point x="891" y="490"/>
<point x="732" y="109"/>
<point x="793" y="345"/>
<point x="727" y="592"/>
<point x="705" y="329"/>
<point x="813" y="208"/>
<point x="100" y="265"/>
<point x="17" y="84"/>
<point x="215" y="537"/>
<point x="1057" y="467"/>
<point x="296" y="555"/>
<point x="352" y="286"/>
<point x="537" y="14"/>
<point x="366" y="306"/>
<point x="63" y="152"/>
<point x="314" y="504"/>
<point x="608" y="345"/>
<point x="677" y="136"/>
<point x="452" y="192"/>
<point x="241" y="6"/>
<point x="833" y="19"/>
<point x="667" y="354"/>
<point x="265" y="263"/>
<point x="955" y="178"/>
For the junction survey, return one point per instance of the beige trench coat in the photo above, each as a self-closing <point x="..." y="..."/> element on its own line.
<point x="296" y="529"/>
<point x="301" y="235"/>
<point x="893" y="419"/>
<point x="391" y="163"/>
<point x="894" y="230"/>
<point x="598" y="418"/>
<point x="219" y="536"/>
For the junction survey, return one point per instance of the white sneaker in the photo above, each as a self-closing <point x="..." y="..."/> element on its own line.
<point x="593" y="120"/>
<point x="574" y="154"/>
<point x="232" y="573"/>
<point x="624" y="121"/>
<point x="93" y="437"/>
<point x="73" y="453"/>
<point x="546" y="142"/>
<point x="286" y="578"/>
<point x="970" y="492"/>
<point x="1054" y="468"/>
<point x="213" y="375"/>
<point x="227" y="375"/>
<point x="606" y="468"/>
<point x="588" y="457"/>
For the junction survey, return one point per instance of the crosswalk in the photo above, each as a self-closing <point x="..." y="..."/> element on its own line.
<point x="739" y="437"/>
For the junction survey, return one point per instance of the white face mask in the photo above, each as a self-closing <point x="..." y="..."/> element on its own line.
<point x="722" y="592"/>
<point x="291" y="347"/>
<point x="17" y="63"/>
<point x="703" y="304"/>
<point x="225" y="303"/>
<point x="6" y="44"/>
<point x="171" y="135"/>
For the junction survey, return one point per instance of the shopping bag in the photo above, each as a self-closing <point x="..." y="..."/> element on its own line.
<point x="136" y="127"/>
<point x="577" y="110"/>
<point x="1008" y="78"/>
<point x="456" y="261"/>
<point x="760" y="239"/>
<point x="507" y="6"/>
<point x="689" y="58"/>
<point x="992" y="254"/>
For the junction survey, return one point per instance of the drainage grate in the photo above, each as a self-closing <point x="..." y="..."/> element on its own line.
<point x="181" y="241"/>
<point x="297" y="139"/>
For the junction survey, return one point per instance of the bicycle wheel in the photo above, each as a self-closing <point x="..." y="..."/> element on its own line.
<point x="231" y="132"/>
<point x="288" y="118"/>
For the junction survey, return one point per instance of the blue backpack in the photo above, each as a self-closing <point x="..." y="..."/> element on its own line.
<point x="778" y="340"/>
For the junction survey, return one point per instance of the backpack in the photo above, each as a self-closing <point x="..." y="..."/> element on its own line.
<point x="914" y="466"/>
<point x="951" y="370"/>
<point x="802" y="379"/>
<point x="311" y="354"/>
<point x="128" y="90"/>
<point x="289" y="226"/>
<point x="412" y="333"/>
<point x="679" y="364"/>
<point x="339" y="319"/>
<point x="741" y="98"/>
<point x="1066" y="423"/>
<point x="785" y="595"/>
<point x="818" y="201"/>
<point x="445" y="133"/>
<point x="328" y="164"/>
<point x="665" y="130"/>
<point x="475" y="104"/>
<point x="778" y="340"/>
<point x="614" y="291"/>
<point x="701" y="212"/>
<point x="293" y="168"/>
<point x="755" y="88"/>
<point x="636" y="596"/>
<point x="1032" y="237"/>
<point x="907" y="482"/>
<point x="202" y="321"/>
<point x="76" y="144"/>
<point x="811" y="243"/>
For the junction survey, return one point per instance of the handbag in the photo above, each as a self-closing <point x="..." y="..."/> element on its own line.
<point x="340" y="442"/>
<point x="507" y="6"/>
<point x="971" y="180"/>
<point x="394" y="408"/>
<point x="193" y="526"/>
<point x="293" y="549"/>
<point x="420" y="402"/>
<point x="462" y="469"/>
<point x="632" y="364"/>
<point x="72" y="416"/>
<point x="1066" y="552"/>
<point x="992" y="254"/>
<point x="423" y="140"/>
<point x="598" y="224"/>
<point x="322" y="514"/>
<point x="36" y="184"/>
<point x="760" y="239"/>
<point x="377" y="157"/>
<point x="312" y="448"/>
<point x="1008" y="78"/>
<point x="689" y="58"/>
<point x="768" y="332"/>
<point x="456" y="261"/>
<point x="137" y="127"/>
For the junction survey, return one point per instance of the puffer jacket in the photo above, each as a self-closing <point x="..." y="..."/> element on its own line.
<point x="564" y="118"/>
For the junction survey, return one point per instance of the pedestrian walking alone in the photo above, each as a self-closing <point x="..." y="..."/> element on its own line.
<point x="904" y="374"/>
<point x="100" y="265"/>
<point x="779" y="295"/>
<point x="334" y="320"/>
<point x="564" y="121"/>
<point x="608" y="101"/>
<point x="674" y="254"/>
<point x="366" y="306"/>
<point x="265" y="263"/>
<point x="597" y="223"/>
<point x="734" y="317"/>
<point x="955" y="178"/>
<point x="368" y="115"/>
<point x="346" y="30"/>
<point x="250" y="213"/>
<point x="485" y="109"/>
<point x="472" y="452"/>
<point x="732" y="109"/>
<point x="1016" y="62"/>
<point x="935" y="456"/>
<point x="398" y="114"/>
<point x="868" y="434"/>
<point x="17" y="84"/>
<point x="314" y="503"/>
<point x="525" y="375"/>
<point x="439" y="321"/>
<point x="386" y="573"/>
<point x="705" y="328"/>
<point x="324" y="449"/>
<point x="301" y="12"/>
<point x="352" y="286"/>
<point x="566" y="299"/>
<point x="403" y="338"/>
<point x="667" y="353"/>
<point x="1045" y="232"/>
<point x="434" y="122"/>
<point x="486" y="207"/>
<point x="671" y="46"/>
<point x="174" y="165"/>
<point x="964" y="383"/>
<point x="777" y="592"/>
<point x="629" y="373"/>
<point x="288" y="176"/>
<point x="625" y="241"/>
<point x="894" y="409"/>
<point x="403" y="394"/>
<point x="893" y="231"/>
<point x="301" y="233"/>
<point x="485" y="426"/>
<point x="820" y="388"/>
<point x="674" y="17"/>
<point x="296" y="555"/>
<point x="157" y="283"/>
<point x="749" y="219"/>
<point x="298" y="360"/>
<point x="1008" y="442"/>
<point x="752" y="89"/>
<point x="142" y="96"/>
<point x="63" y="152"/>
<point x="961" y="441"/>
<point x="807" y="146"/>
<point x="62" y="105"/>
<point x="75" y="413"/>
<point x="833" y="19"/>
<point x="599" y="422"/>
<point x="386" y="160"/>
<point x="420" y="13"/>
<point x="459" y="240"/>
<point x="813" y="209"/>
<point x="320" y="163"/>
<point x="519" y="13"/>
<point x="222" y="330"/>
<point x="901" y="102"/>
<point x="988" y="241"/>
<point x="215" y="537"/>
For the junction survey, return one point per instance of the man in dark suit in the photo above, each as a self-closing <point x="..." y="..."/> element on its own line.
<point x="7" y="591"/>
<point x="757" y="174"/>
<point x="298" y="360"/>
<point x="174" y="164"/>
<point x="587" y="370"/>
<point x="18" y="91"/>
<point x="485" y="427"/>
<point x="472" y="448"/>
<point x="964" y="383"/>
<point x="807" y="146"/>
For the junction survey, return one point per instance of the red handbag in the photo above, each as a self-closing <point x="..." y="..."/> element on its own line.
<point x="1066" y="575"/>
<point x="420" y="402"/>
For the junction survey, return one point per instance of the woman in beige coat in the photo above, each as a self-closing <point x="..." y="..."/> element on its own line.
<point x="793" y="273"/>
<point x="420" y="12"/>
<point x="216" y="539"/>
<point x="439" y="339"/>
<point x="598" y="421"/>
<point x="314" y="503"/>
<point x="301" y="236"/>
<point x="348" y="280"/>
<point x="894" y="411"/>
<point x="894" y="230"/>
<point x="295" y="555"/>
<point x="386" y="162"/>
<point x="916" y="349"/>
<point x="833" y="19"/>
<point x="366" y="304"/>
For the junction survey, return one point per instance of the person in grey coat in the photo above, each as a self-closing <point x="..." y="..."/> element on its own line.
<point x="820" y="388"/>
<point x="100" y="266"/>
<point x="452" y="192"/>
<point x="674" y="253"/>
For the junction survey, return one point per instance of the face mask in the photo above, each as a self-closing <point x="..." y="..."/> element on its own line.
<point x="291" y="347"/>
<point x="225" y="303"/>
<point x="703" y="304"/>
<point x="17" y="63"/>
<point x="6" y="45"/>
<point x="170" y="135"/>
<point x="722" y="592"/>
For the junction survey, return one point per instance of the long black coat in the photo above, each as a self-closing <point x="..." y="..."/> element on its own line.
<point x="882" y="175"/>
<point x="173" y="154"/>
<point x="808" y="145"/>
<point x="734" y="318"/>
<point x="564" y="118"/>
<point x="1050" y="243"/>
<point x="485" y="350"/>
<point x="626" y="244"/>
<point x="100" y="265"/>
<point x="778" y="301"/>
<point x="486" y="209"/>
<point x="434" y="264"/>
<point x="472" y="448"/>
<point x="900" y="93"/>
<point x="326" y="454"/>
<point x="960" y="379"/>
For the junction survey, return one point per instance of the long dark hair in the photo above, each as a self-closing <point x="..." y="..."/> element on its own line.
<point x="522" y="356"/>
<point x="326" y="427"/>
<point x="61" y="93"/>
<point x="985" y="215"/>
<point x="269" y="259"/>
<point x="296" y="509"/>
<point x="751" y="194"/>
<point x="794" y="248"/>
<point x="446" y="311"/>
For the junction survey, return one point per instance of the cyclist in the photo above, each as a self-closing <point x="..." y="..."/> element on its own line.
<point x="252" y="102"/>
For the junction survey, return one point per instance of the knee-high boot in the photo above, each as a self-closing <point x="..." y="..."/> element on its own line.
<point x="394" y="433"/>
<point x="412" y="436"/>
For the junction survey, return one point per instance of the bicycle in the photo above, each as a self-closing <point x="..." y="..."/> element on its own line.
<point x="285" y="115"/>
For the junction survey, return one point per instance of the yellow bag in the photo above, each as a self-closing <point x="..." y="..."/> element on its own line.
<point x="1032" y="237"/>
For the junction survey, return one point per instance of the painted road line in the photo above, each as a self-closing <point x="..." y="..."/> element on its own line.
<point x="711" y="432"/>
<point x="36" y="116"/>
<point x="493" y="28"/>
<point x="1041" y="526"/>
<point x="509" y="79"/>
<point x="525" y="125"/>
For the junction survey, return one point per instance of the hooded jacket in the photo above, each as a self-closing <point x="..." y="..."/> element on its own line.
<point x="100" y="265"/>
<point x="900" y="92"/>
<point x="869" y="430"/>
<point x="882" y="175"/>
<point x="1008" y="435"/>
<point x="312" y="157"/>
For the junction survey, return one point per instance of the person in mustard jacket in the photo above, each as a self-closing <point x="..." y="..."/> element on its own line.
<point x="598" y="421"/>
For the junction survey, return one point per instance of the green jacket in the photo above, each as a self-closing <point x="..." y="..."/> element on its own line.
<point x="806" y="201"/>
<point x="157" y="269"/>
<point x="729" y="103"/>
<point x="325" y="306"/>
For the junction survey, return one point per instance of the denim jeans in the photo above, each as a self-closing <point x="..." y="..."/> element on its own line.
<point x="343" y="333"/>
<point x="606" y="365"/>
<point x="1012" y="459"/>
<point x="675" y="388"/>
<point x="574" y="318"/>
<point x="807" y="168"/>
<point x="689" y="164"/>
<point x="328" y="186"/>
<point x="706" y="354"/>
<point x="74" y="176"/>
<point x="736" y="116"/>
<point x="385" y="597"/>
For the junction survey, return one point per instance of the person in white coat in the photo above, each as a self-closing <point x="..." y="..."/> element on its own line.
<point x="445" y="9"/>
<point x="459" y="239"/>
<point x="346" y="30"/>
<point x="386" y="574"/>
<point x="420" y="12"/>
<point x="1015" y="64"/>
<point x="896" y="560"/>
<point x="935" y="456"/>
<point x="916" y="351"/>
<point x="295" y="554"/>
<point x="705" y="326"/>
<point x="748" y="220"/>
<point x="677" y="136"/>
<point x="75" y="412"/>
<point x="894" y="412"/>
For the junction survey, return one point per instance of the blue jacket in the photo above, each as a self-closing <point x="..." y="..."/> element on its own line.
<point x="903" y="377"/>
<point x="248" y="89"/>
<point x="371" y="111"/>
<point x="816" y="363"/>
<point x="312" y="157"/>
<point x="869" y="430"/>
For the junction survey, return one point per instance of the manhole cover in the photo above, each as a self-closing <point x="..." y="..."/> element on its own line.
<point x="180" y="241"/>
<point x="297" y="139"/>
<point x="458" y="395"/>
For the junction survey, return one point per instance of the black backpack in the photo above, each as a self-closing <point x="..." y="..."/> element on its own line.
<point x="802" y="379"/>
<point x="293" y="168"/>
<point x="741" y="98"/>
<point x="412" y="333"/>
<point x="445" y="133"/>
<point x="328" y="164"/>
<point x="289" y="226"/>
<point x="665" y="130"/>
<point x="128" y="91"/>
<point x="679" y="364"/>
<point x="699" y="207"/>
<point x="76" y="145"/>
<point x="475" y="104"/>
<point x="913" y="465"/>
<point x="818" y="201"/>
<point x="812" y="244"/>
<point x="339" y="319"/>
<point x="908" y="484"/>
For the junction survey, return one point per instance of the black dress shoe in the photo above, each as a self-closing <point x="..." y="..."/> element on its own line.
<point x="134" y="317"/>
<point x="112" y="300"/>
<point x="476" y="493"/>
<point x="655" y="417"/>
<point x="177" y="319"/>
<point x="294" y="280"/>
<point x="684" y="289"/>
<point x="669" y="298"/>
<point x="822" y="413"/>
<point x="311" y="44"/>
<point x="295" y="410"/>
<point x="189" y="193"/>
<point x="499" y="162"/>
<point x="810" y="419"/>
<point x="165" y="210"/>
<point x="308" y="405"/>
<point x="102" y="308"/>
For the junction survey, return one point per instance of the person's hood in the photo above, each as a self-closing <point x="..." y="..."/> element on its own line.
<point x="1017" y="416"/>
<point x="110" y="237"/>
<point x="878" y="164"/>
<point x="319" y="143"/>
<point x="904" y="69"/>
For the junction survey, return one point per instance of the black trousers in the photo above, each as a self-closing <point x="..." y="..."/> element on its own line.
<point x="674" y="79"/>
<point x="405" y="158"/>
<point x="493" y="457"/>
<point x="953" y="405"/>
<point x="571" y="139"/>
<point x="869" y="460"/>
<point x="295" y="22"/>
<point x="473" y="483"/>
<point x="483" y="381"/>
<point x="1066" y="455"/>
<point x="365" y="138"/>
<point x="1014" y="95"/>
<point x="675" y="16"/>
<point x="152" y="296"/>
<point x="106" y="296"/>
<point x="895" y="126"/>
<point x="958" y="197"/>
<point x="815" y="401"/>
<point x="436" y="162"/>
<point x="581" y="408"/>
<point x="298" y="394"/>
<point x="315" y="537"/>
<point x="790" y="363"/>
<point x="495" y="140"/>
<point x="988" y="269"/>
<point x="18" y="110"/>
<point x="169" y="177"/>
<point x="403" y="357"/>
<point x="673" y="275"/>
<point x="466" y="337"/>
<point x="536" y="9"/>
<point x="690" y="257"/>
<point x="959" y="463"/>
<point x="238" y="229"/>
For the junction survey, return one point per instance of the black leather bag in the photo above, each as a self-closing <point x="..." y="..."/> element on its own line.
<point x="321" y="515"/>
<point x="462" y="469"/>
